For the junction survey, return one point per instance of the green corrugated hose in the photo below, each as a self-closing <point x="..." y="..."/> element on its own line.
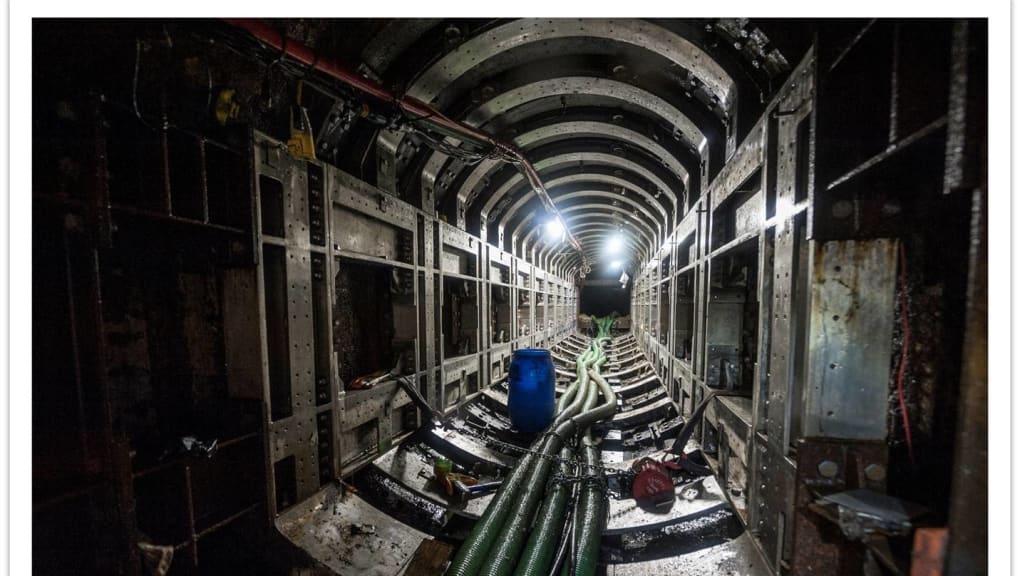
<point x="538" y="553"/>
<point x="508" y="516"/>
<point x="603" y="325"/>
<point x="537" y="562"/>
<point x="574" y="386"/>
<point x="591" y="505"/>
<point x="507" y="549"/>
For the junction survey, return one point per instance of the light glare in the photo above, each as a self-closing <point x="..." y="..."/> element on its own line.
<point x="615" y="244"/>
<point x="554" y="229"/>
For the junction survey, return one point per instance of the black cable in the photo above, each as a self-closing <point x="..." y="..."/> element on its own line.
<point x="403" y="112"/>
<point x="134" y="85"/>
<point x="469" y="158"/>
<point x="565" y="549"/>
<point x="695" y="468"/>
<point x="283" y="51"/>
<point x="572" y="553"/>
<point x="565" y="539"/>
<point x="310" y="67"/>
<point x="692" y="420"/>
<point x="166" y="124"/>
<point x="208" y="93"/>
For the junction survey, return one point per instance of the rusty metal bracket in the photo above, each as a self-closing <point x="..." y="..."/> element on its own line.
<point x="826" y="466"/>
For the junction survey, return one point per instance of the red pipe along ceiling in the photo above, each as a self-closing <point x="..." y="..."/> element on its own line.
<point x="269" y="36"/>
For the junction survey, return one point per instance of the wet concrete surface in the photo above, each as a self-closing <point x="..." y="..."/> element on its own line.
<point x="737" y="557"/>
<point x="691" y="499"/>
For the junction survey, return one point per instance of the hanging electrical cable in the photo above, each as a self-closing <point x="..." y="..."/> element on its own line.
<point x="422" y="112"/>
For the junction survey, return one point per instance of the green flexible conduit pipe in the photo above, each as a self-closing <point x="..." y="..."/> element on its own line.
<point x="586" y="531"/>
<point x="590" y="507"/>
<point x="574" y="386"/>
<point x="507" y="549"/>
<point x="475" y="549"/>
<point x="541" y="547"/>
<point x="603" y="325"/>
<point x="586" y="528"/>
<point x="508" y="517"/>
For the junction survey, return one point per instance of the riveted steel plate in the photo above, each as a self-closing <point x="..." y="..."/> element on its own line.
<point x="639" y="33"/>
<point x="852" y="291"/>
<point x="357" y="195"/>
<point x="740" y="167"/>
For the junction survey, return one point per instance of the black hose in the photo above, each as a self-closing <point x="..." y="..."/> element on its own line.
<point x="563" y="549"/>
<point x="692" y="421"/>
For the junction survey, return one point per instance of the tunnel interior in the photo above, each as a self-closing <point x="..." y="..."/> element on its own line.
<point x="282" y="268"/>
<point x="604" y="293"/>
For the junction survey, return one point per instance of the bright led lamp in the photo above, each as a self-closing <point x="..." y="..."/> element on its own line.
<point x="554" y="229"/>
<point x="615" y="244"/>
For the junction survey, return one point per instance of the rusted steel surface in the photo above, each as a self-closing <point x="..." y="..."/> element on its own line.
<point x="850" y="339"/>
<point x="429" y="559"/>
<point x="929" y="555"/>
<point x="829" y="466"/>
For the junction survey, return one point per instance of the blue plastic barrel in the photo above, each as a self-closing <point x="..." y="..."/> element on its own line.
<point x="532" y="401"/>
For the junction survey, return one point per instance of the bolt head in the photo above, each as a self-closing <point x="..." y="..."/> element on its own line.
<point x="875" y="472"/>
<point x="828" y="468"/>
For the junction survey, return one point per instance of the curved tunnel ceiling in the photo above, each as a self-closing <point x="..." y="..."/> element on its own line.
<point x="623" y="119"/>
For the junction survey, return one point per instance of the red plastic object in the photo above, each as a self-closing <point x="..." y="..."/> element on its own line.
<point x="653" y="485"/>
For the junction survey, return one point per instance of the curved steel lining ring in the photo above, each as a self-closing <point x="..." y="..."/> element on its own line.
<point x="646" y="35"/>
<point x="568" y="263"/>
<point x="611" y="217"/>
<point x="588" y="178"/>
<point x="515" y="233"/>
<point x="650" y="234"/>
<point x="606" y="224"/>
<point x="642" y="34"/>
<point x="530" y="229"/>
<point x="557" y="257"/>
<point x="638" y="33"/>
<point x="623" y="259"/>
<point x="501" y="103"/>
<point x="595" y="228"/>
<point x="574" y="128"/>
<point x="571" y="262"/>
<point x="591" y="86"/>
<point x="592" y="158"/>
<point x="395" y="37"/>
<point x="604" y="211"/>
<point x="530" y="243"/>
<point x="596" y="253"/>
<point x="560" y="265"/>
<point x="551" y="255"/>
<point x="596" y="159"/>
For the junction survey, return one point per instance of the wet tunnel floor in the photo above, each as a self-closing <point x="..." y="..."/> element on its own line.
<point x="374" y="523"/>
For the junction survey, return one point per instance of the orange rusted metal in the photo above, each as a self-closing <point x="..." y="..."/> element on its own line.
<point x="929" y="555"/>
